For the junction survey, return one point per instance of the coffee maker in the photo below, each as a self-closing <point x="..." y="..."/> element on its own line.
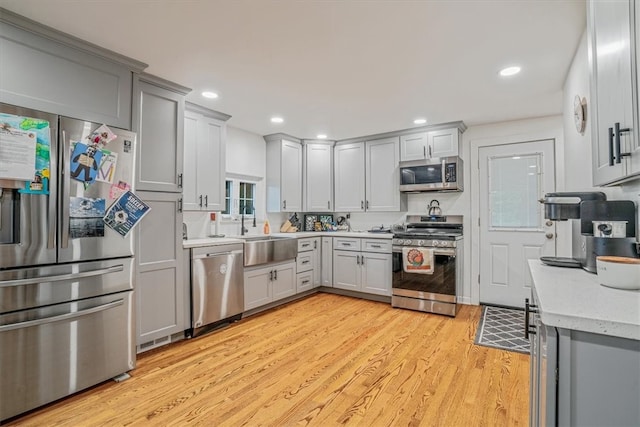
<point x="583" y="208"/>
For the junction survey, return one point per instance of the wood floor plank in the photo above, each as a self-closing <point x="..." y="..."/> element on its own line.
<point x="322" y="361"/>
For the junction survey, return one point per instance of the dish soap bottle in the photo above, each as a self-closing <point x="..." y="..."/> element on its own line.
<point x="265" y="228"/>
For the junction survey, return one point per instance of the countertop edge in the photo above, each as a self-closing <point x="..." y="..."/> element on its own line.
<point x="572" y="299"/>
<point x="215" y="241"/>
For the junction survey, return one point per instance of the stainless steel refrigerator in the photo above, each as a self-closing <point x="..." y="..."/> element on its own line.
<point x="66" y="279"/>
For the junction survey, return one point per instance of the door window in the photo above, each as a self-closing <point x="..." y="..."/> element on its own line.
<point x="514" y="191"/>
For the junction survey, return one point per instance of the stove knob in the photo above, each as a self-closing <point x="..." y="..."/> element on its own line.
<point x="436" y="243"/>
<point x="420" y="242"/>
<point x="407" y="242"/>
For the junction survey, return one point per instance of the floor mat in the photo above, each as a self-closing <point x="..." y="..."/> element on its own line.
<point x="502" y="328"/>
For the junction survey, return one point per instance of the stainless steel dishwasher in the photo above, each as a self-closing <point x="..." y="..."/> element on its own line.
<point x="217" y="286"/>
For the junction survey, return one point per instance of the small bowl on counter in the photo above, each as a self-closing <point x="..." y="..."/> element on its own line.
<point x="618" y="272"/>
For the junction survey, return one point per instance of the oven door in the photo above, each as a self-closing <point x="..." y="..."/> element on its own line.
<point x="426" y="292"/>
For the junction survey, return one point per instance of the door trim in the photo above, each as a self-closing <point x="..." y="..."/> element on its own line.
<point x="553" y="130"/>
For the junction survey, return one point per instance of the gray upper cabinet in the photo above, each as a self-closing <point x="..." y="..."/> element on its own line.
<point x="614" y="97"/>
<point x="205" y="135"/>
<point x="318" y="176"/>
<point x="158" y="118"/>
<point x="284" y="173"/>
<point x="65" y="75"/>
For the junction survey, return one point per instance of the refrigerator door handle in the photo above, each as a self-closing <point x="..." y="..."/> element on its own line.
<point x="53" y="190"/>
<point x="66" y="185"/>
<point x="66" y="316"/>
<point x="61" y="277"/>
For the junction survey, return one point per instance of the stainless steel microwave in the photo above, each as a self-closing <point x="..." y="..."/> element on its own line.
<point x="439" y="174"/>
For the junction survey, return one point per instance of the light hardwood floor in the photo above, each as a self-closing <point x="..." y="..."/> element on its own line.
<point x="325" y="360"/>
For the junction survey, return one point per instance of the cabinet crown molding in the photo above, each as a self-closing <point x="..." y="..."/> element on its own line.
<point x="165" y="84"/>
<point x="427" y="128"/>
<point x="318" y="141"/>
<point x="190" y="106"/>
<point x="10" y="18"/>
<point x="279" y="136"/>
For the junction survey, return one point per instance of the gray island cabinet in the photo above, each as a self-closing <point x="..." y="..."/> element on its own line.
<point x="585" y="350"/>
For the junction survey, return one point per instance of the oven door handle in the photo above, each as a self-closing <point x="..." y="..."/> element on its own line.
<point x="436" y="251"/>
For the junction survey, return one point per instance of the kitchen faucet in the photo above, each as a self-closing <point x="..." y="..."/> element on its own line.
<point x="242" y="229"/>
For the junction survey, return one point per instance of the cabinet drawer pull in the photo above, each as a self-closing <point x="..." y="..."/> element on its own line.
<point x="304" y="282"/>
<point x="305" y="245"/>
<point x="306" y="261"/>
<point x="376" y="246"/>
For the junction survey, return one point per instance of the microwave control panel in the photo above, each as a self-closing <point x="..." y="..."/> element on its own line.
<point x="450" y="172"/>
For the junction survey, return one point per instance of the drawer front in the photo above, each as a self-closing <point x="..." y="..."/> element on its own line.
<point x="305" y="245"/>
<point x="376" y="245"/>
<point x="305" y="281"/>
<point x="305" y="262"/>
<point x="346" y="243"/>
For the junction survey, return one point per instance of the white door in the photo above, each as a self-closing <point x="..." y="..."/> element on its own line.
<point x="513" y="177"/>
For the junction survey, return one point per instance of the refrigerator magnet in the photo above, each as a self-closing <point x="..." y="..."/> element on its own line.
<point x="107" y="168"/>
<point x="101" y="136"/>
<point x="125" y="213"/>
<point x="84" y="163"/>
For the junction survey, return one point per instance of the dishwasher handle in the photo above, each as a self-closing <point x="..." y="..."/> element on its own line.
<point x="217" y="254"/>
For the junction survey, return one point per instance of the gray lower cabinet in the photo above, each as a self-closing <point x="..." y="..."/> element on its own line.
<point x="362" y="265"/>
<point x="583" y="379"/>
<point x="308" y="263"/>
<point x="263" y="285"/>
<point x="160" y="285"/>
<point x="326" y="275"/>
<point x="158" y="119"/>
<point x="64" y="75"/>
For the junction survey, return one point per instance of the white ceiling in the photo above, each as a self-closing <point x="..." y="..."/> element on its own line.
<point x="343" y="68"/>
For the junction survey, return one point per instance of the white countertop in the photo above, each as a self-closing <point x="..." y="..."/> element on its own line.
<point x="214" y="241"/>
<point x="572" y="298"/>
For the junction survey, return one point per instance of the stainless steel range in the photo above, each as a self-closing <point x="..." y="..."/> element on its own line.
<point x="437" y="243"/>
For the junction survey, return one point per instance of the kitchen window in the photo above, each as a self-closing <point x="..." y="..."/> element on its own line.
<point x="240" y="195"/>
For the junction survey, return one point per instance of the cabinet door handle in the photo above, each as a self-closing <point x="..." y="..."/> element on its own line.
<point x="284" y="204"/>
<point x="179" y="180"/>
<point x="430" y="152"/>
<point x="528" y="309"/>
<point x="618" y="131"/>
<point x="611" y="156"/>
<point x="328" y="204"/>
<point x="275" y="274"/>
<point x="200" y="203"/>
<point x="179" y="205"/>
<point x="271" y="275"/>
<point x="424" y="151"/>
<point x="315" y="244"/>
<point x="206" y="201"/>
<point x="361" y="259"/>
<point x="362" y="204"/>
<point x="357" y="259"/>
<point x="367" y="204"/>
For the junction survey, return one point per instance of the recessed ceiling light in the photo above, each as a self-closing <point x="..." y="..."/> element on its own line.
<point x="277" y="120"/>
<point x="420" y="121"/>
<point x="322" y="136"/>
<point x="209" y="94"/>
<point x="509" y="71"/>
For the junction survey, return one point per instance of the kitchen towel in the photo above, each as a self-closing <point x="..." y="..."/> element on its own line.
<point x="417" y="260"/>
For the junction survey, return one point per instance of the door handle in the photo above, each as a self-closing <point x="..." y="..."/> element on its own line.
<point x="206" y="201"/>
<point x="61" y="277"/>
<point x="549" y="235"/>
<point x="275" y="274"/>
<point x="315" y="244"/>
<point x="611" y="156"/>
<point x="367" y="204"/>
<point x="200" y="203"/>
<point x="329" y="204"/>
<point x="271" y="276"/>
<point x="284" y="204"/>
<point x="180" y="205"/>
<point x="179" y="180"/>
<point x="362" y="204"/>
<point x="66" y="188"/>
<point x="424" y="151"/>
<point x="528" y="309"/>
<point x="430" y="155"/>
<point x="362" y="260"/>
<point x="618" y="131"/>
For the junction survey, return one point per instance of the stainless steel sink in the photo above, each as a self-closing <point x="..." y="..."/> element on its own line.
<point x="265" y="249"/>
